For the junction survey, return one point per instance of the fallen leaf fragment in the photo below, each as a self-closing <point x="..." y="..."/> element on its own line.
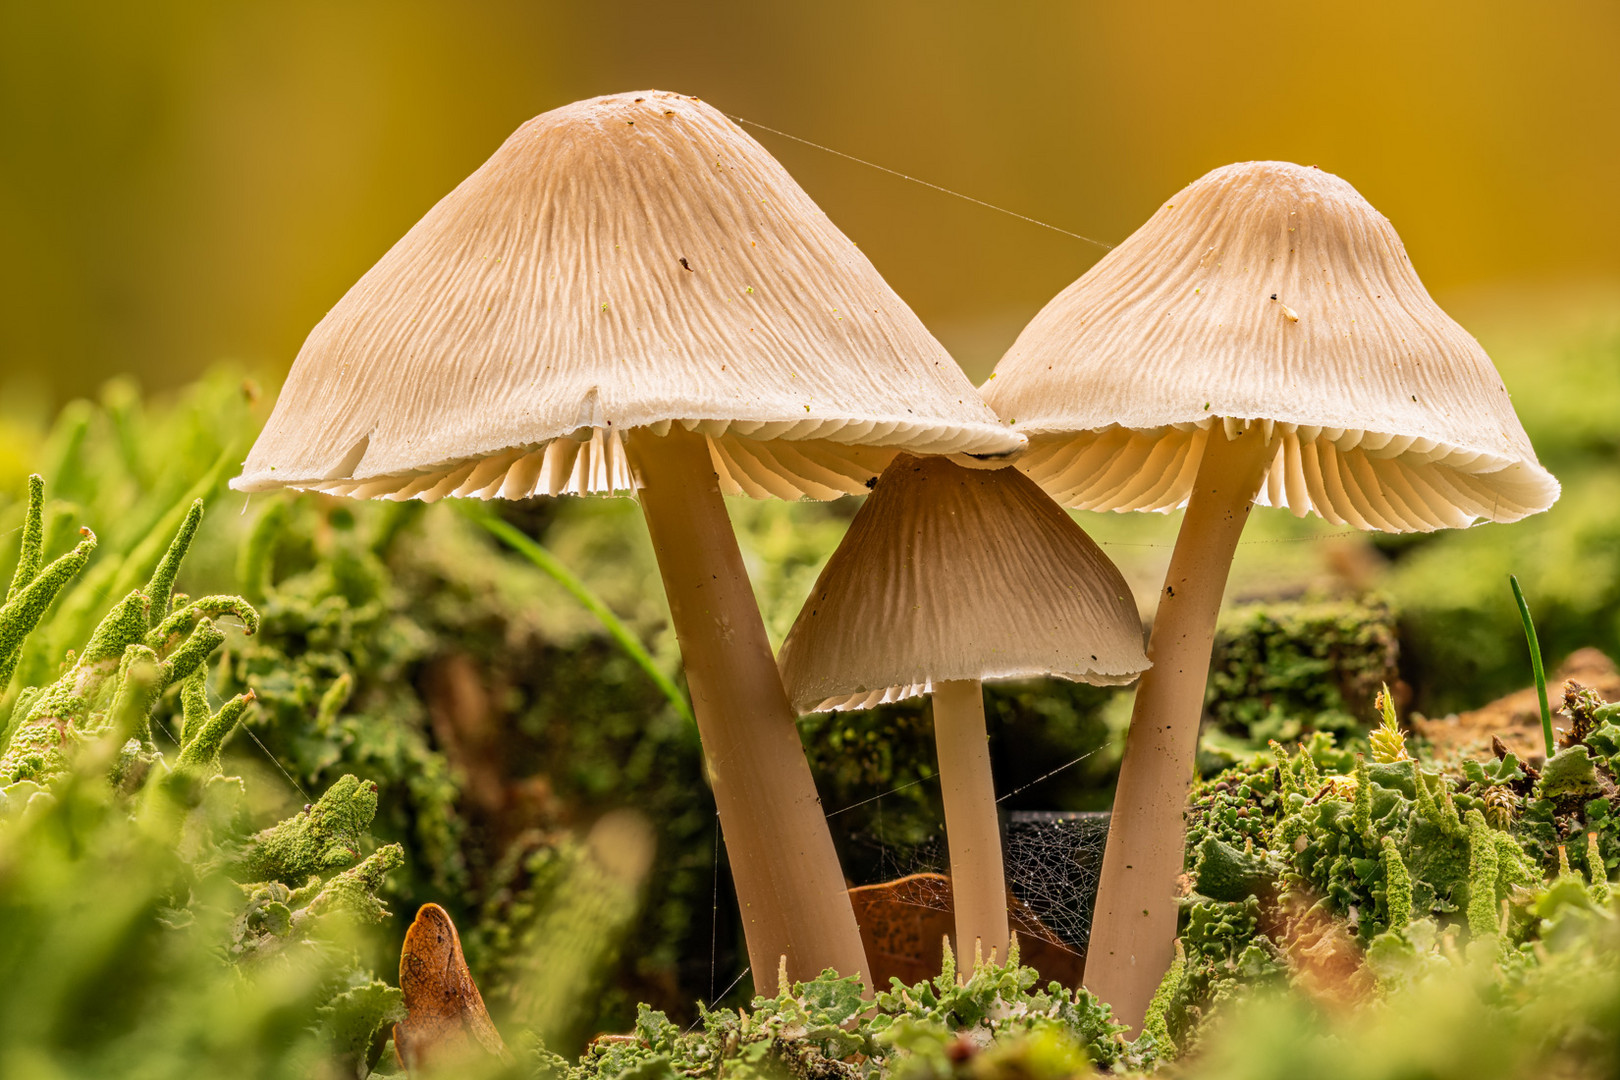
<point x="446" y="1024"/>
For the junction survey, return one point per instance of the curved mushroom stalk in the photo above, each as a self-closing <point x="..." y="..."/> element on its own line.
<point x="972" y="829"/>
<point x="790" y="886"/>
<point x="1134" y="924"/>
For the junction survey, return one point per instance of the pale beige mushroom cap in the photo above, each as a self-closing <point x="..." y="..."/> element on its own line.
<point x="958" y="573"/>
<point x="628" y="261"/>
<point x="1275" y="293"/>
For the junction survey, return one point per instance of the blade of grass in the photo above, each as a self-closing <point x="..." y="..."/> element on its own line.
<point x="521" y="543"/>
<point x="1535" y="665"/>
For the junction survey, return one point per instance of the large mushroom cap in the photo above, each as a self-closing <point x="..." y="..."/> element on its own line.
<point x="622" y="262"/>
<point x="958" y="573"/>
<point x="1275" y="293"/>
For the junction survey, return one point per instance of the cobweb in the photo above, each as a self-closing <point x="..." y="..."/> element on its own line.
<point x="1053" y="860"/>
<point x="1053" y="863"/>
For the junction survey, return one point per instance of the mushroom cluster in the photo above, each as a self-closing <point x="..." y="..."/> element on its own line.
<point x="631" y="295"/>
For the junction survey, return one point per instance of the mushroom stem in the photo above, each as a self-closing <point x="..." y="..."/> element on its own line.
<point x="1134" y="924"/>
<point x="978" y="881"/>
<point x="790" y="886"/>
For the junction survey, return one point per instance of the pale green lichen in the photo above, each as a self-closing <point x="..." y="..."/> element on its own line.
<point x="1570" y="772"/>
<point x="32" y="594"/>
<point x="354" y="891"/>
<point x="325" y="836"/>
<point x="1361" y="816"/>
<point x="1397" y="885"/>
<point x="1156" y="1024"/>
<point x="140" y="679"/>
<point x="204" y="734"/>
<point x="1595" y="869"/>
<point x="159" y="588"/>
<point x="116" y="872"/>
<point x="187" y="612"/>
<point x="31" y="553"/>
<point x="62" y="714"/>
<point x="1483" y="865"/>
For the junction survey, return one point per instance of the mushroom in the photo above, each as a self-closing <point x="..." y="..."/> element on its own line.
<point x="632" y="294"/>
<point x="949" y="576"/>
<point x="1262" y="339"/>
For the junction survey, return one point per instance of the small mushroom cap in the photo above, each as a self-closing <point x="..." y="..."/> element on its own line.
<point x="958" y="573"/>
<point x="1274" y="293"/>
<point x="627" y="261"/>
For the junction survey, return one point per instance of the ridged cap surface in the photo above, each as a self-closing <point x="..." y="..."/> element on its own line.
<point x="958" y="573"/>
<point x="1275" y="293"/>
<point x="628" y="261"/>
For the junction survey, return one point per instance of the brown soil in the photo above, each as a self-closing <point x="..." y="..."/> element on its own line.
<point x="1516" y="718"/>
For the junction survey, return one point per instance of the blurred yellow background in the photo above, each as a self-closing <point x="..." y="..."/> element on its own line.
<point x="183" y="182"/>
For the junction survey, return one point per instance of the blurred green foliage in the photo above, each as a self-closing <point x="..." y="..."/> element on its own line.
<point x="1285" y="669"/>
<point x="408" y="648"/>
<point x="145" y="924"/>
<point x="1450" y="588"/>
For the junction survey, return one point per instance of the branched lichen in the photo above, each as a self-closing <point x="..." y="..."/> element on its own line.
<point x="1483" y="864"/>
<point x="354" y="891"/>
<point x="201" y="744"/>
<point x="1397" y="885"/>
<point x="27" y="603"/>
<point x="115" y="884"/>
<point x="166" y="634"/>
<point x="325" y="836"/>
<point x="159" y="588"/>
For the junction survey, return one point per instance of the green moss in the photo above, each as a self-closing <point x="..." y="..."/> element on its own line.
<point x="1282" y="670"/>
<point x="990" y="1023"/>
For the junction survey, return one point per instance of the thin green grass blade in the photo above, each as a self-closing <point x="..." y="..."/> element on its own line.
<point x="1535" y="665"/>
<point x="519" y="542"/>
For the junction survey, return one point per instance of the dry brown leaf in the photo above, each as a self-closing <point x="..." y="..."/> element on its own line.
<point x="446" y="1023"/>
